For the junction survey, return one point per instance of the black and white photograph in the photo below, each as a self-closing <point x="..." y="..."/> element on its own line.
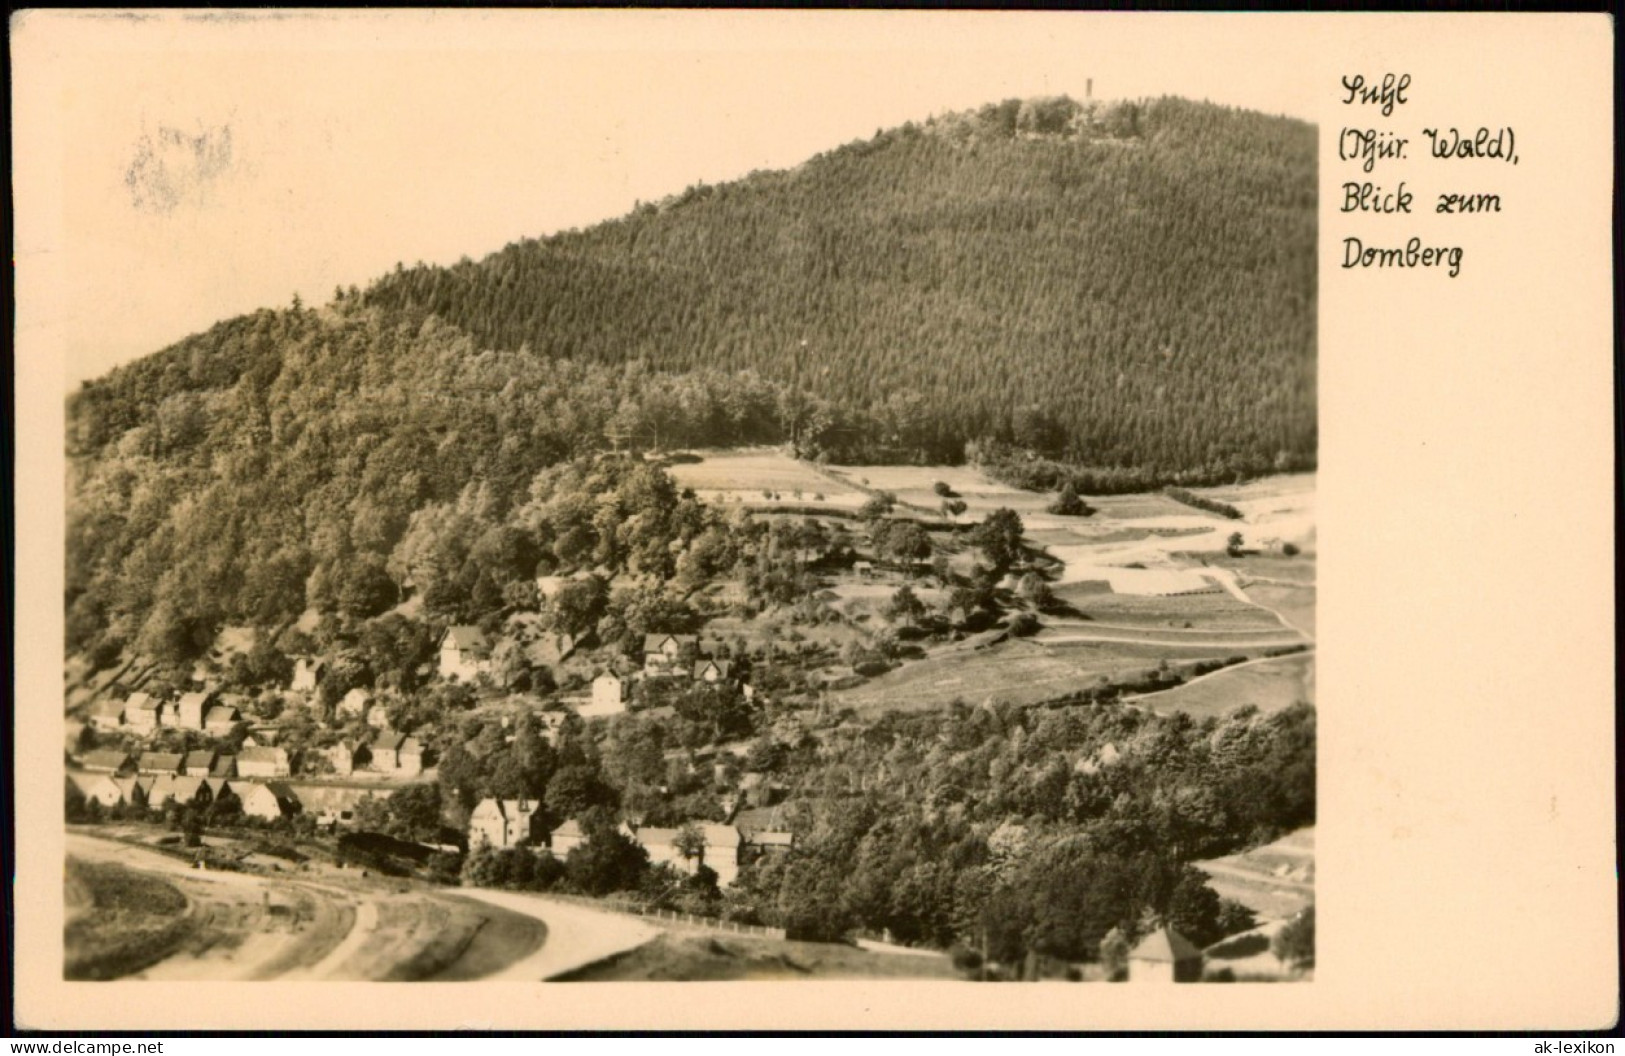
<point x="602" y="497"/>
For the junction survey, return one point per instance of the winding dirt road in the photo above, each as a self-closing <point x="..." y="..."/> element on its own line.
<point x="576" y="936"/>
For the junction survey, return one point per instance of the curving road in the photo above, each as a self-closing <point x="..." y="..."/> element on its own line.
<point x="576" y="936"/>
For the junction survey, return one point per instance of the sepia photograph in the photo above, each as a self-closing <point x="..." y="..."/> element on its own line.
<point x="627" y="498"/>
<point x="895" y="564"/>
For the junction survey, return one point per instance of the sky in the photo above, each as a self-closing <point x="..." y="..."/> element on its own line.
<point x="187" y="168"/>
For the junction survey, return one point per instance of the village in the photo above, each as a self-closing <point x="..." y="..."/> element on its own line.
<point x="271" y="783"/>
<point x="805" y="653"/>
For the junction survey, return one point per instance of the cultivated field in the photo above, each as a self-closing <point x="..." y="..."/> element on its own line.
<point x="727" y="477"/>
<point x="1271" y="685"/>
<point x="1275" y="881"/>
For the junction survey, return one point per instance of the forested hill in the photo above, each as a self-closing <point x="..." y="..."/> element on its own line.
<point x="1118" y="285"/>
<point x="1127" y="287"/>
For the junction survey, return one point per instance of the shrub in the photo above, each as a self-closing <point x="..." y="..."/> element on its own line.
<point x="1024" y="624"/>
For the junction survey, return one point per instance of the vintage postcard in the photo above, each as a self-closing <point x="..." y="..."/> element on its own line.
<point x="595" y="517"/>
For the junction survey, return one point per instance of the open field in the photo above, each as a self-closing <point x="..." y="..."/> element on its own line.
<point x="676" y="956"/>
<point x="1208" y="612"/>
<point x="1273" y="508"/>
<point x="1271" y="685"/>
<point x="740" y="476"/>
<point x="1296" y="605"/>
<point x="1275" y="881"/>
<point x="1268" y="567"/>
<point x="1022" y="672"/>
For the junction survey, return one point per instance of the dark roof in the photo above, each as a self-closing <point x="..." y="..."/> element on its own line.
<point x="262" y="755"/>
<point x="390" y="741"/>
<point x="653" y="642"/>
<point x="220" y="713"/>
<point x="1165" y="944"/>
<point x="201" y="757"/>
<point x="160" y="761"/>
<point x="107" y="758"/>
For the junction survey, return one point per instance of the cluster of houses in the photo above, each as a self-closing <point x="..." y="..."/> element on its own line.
<point x="725" y="849"/>
<point x="386" y="752"/>
<point x="665" y="656"/>
<point x="155" y="779"/>
<point x="143" y="713"/>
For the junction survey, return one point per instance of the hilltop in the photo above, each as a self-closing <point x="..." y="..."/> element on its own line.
<point x="1125" y="287"/>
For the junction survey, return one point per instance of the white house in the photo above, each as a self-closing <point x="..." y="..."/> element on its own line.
<point x="503" y="823"/>
<point x="724" y="849"/>
<point x="199" y="763"/>
<point x="141" y="712"/>
<point x="465" y="653"/>
<point x="307" y="672"/>
<point x="396" y="753"/>
<point x="220" y="718"/>
<point x="262" y="762"/>
<point x="191" y="709"/>
<point x="711" y="670"/>
<point x="97" y="788"/>
<point x="271" y="800"/>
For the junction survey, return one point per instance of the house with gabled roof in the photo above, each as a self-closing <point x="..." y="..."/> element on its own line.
<point x="100" y="788"/>
<point x="141" y="712"/>
<point x="712" y="670"/>
<point x="106" y="761"/>
<point x="1165" y="956"/>
<point x="396" y="753"/>
<point x="218" y="719"/>
<point x="566" y="838"/>
<point x="342" y="756"/>
<point x="263" y="762"/>
<point x="191" y="708"/>
<point x="307" y="674"/>
<point x="465" y="653"/>
<point x="179" y="789"/>
<point x="270" y="800"/>
<point x="225" y="766"/>
<point x="161" y="763"/>
<point x="661" y="845"/>
<point x="666" y="655"/>
<point x="503" y="823"/>
<point x="107" y="714"/>
<point x="724" y="851"/>
<point x="199" y="763"/>
<point x="610" y="692"/>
